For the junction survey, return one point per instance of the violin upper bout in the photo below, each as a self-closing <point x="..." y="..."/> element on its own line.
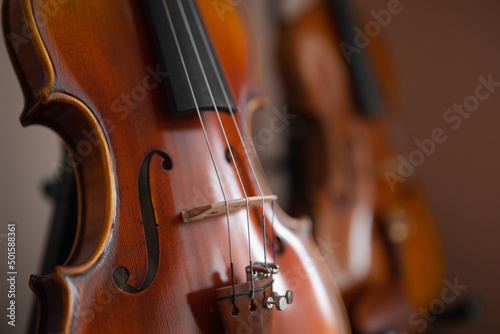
<point x="26" y="53"/>
<point x="69" y="116"/>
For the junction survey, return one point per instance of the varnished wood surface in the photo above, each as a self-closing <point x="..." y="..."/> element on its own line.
<point x="88" y="54"/>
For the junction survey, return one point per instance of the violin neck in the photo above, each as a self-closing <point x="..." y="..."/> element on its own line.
<point x="366" y="90"/>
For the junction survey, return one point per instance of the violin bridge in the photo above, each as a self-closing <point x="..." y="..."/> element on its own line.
<point x="219" y="208"/>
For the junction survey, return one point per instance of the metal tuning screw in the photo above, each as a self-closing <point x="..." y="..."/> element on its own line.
<point x="289" y="296"/>
<point x="281" y="302"/>
<point x="275" y="268"/>
<point x="262" y="270"/>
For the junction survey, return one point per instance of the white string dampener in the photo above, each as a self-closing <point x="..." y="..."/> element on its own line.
<point x="219" y="208"/>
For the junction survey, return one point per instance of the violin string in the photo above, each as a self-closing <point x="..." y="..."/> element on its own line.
<point x="219" y="79"/>
<point x="195" y="48"/>
<point x="167" y="11"/>
<point x="264" y="176"/>
<point x="274" y="238"/>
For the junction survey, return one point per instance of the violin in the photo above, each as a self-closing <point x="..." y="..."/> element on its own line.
<point x="387" y="262"/>
<point x="177" y="230"/>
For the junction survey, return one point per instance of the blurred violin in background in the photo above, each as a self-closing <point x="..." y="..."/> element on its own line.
<point x="386" y="260"/>
<point x="177" y="231"/>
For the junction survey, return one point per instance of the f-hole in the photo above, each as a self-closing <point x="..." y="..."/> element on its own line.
<point x="121" y="274"/>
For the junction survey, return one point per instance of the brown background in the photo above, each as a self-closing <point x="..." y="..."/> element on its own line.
<point x="438" y="50"/>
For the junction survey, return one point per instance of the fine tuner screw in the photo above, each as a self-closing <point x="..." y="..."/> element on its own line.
<point x="281" y="302"/>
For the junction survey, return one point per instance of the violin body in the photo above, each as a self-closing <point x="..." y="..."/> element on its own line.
<point x="387" y="263"/>
<point x="89" y="72"/>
